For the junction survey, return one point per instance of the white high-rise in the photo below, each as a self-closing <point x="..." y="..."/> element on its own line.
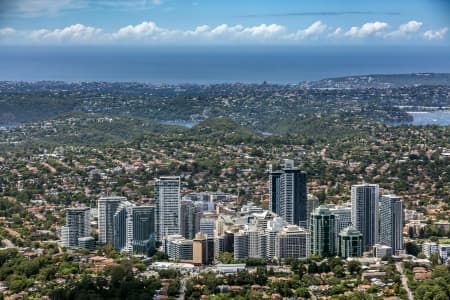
<point x="107" y="207"/>
<point x="77" y="226"/>
<point x="365" y="213"/>
<point x="391" y="222"/>
<point x="293" y="241"/>
<point x="167" y="206"/>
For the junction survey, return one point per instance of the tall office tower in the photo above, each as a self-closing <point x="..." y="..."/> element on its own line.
<point x="240" y="245"/>
<point x="256" y="243"/>
<point x="391" y="222"/>
<point x="323" y="232"/>
<point x="122" y="227"/>
<point x="188" y="215"/>
<point x="343" y="216"/>
<point x="208" y="225"/>
<point x="134" y="228"/>
<point x="350" y="243"/>
<point x="273" y="228"/>
<point x="275" y="191"/>
<point x="77" y="226"/>
<point x="293" y="241"/>
<point x="202" y="249"/>
<point x="311" y="205"/>
<point x="167" y="206"/>
<point x="107" y="207"/>
<point x="365" y="212"/>
<point x="293" y="199"/>
<point x="143" y="229"/>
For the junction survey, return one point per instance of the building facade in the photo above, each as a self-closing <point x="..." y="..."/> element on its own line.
<point x="77" y="226"/>
<point x="293" y="241"/>
<point x="365" y="215"/>
<point x="323" y="232"/>
<point x="288" y="194"/>
<point x="391" y="222"/>
<point x="167" y="206"/>
<point x="350" y="243"/>
<point x="107" y="207"/>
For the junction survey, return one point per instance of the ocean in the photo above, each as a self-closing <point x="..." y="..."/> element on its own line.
<point x="210" y="64"/>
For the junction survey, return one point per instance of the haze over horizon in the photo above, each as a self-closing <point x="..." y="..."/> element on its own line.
<point x="208" y="42"/>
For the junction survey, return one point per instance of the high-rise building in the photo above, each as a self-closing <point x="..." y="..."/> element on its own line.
<point x="350" y="243"/>
<point x="208" y="224"/>
<point x="107" y="207"/>
<point x="203" y="249"/>
<point x="240" y="245"/>
<point x="77" y="226"/>
<point x="167" y="206"/>
<point x="122" y="227"/>
<point x="288" y="194"/>
<point x="343" y="216"/>
<point x="365" y="213"/>
<point x="294" y="195"/>
<point x="188" y="215"/>
<point x="134" y="228"/>
<point x="143" y="229"/>
<point x="391" y="222"/>
<point x="275" y="191"/>
<point x="312" y="204"/>
<point x="293" y="241"/>
<point x="323" y="232"/>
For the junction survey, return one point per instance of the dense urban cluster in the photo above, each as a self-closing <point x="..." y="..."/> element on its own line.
<point x="115" y="207"/>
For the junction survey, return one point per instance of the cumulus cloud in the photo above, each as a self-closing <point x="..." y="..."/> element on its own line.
<point x="143" y="30"/>
<point x="149" y="32"/>
<point x="77" y="33"/>
<point x="435" y="35"/>
<point x="314" y="30"/>
<point x="366" y="30"/>
<point x="405" y="30"/>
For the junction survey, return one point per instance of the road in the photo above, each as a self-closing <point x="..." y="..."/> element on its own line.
<point x="182" y="288"/>
<point x="404" y="280"/>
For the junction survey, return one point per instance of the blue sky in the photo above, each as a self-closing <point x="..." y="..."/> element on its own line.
<point x="224" y="22"/>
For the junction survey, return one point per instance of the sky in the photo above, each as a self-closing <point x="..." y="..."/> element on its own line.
<point x="234" y="22"/>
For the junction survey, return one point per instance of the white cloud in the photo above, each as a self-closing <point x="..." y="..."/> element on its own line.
<point x="143" y="30"/>
<point x="313" y="30"/>
<point x="336" y="33"/>
<point x="435" y="35"/>
<point x="366" y="30"/>
<point x="77" y="33"/>
<point x="157" y="2"/>
<point x="405" y="30"/>
<point x="7" y="31"/>
<point x="150" y="32"/>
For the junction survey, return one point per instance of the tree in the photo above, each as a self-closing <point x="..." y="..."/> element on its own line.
<point x="302" y="292"/>
<point x="412" y="248"/>
<point x="354" y="267"/>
